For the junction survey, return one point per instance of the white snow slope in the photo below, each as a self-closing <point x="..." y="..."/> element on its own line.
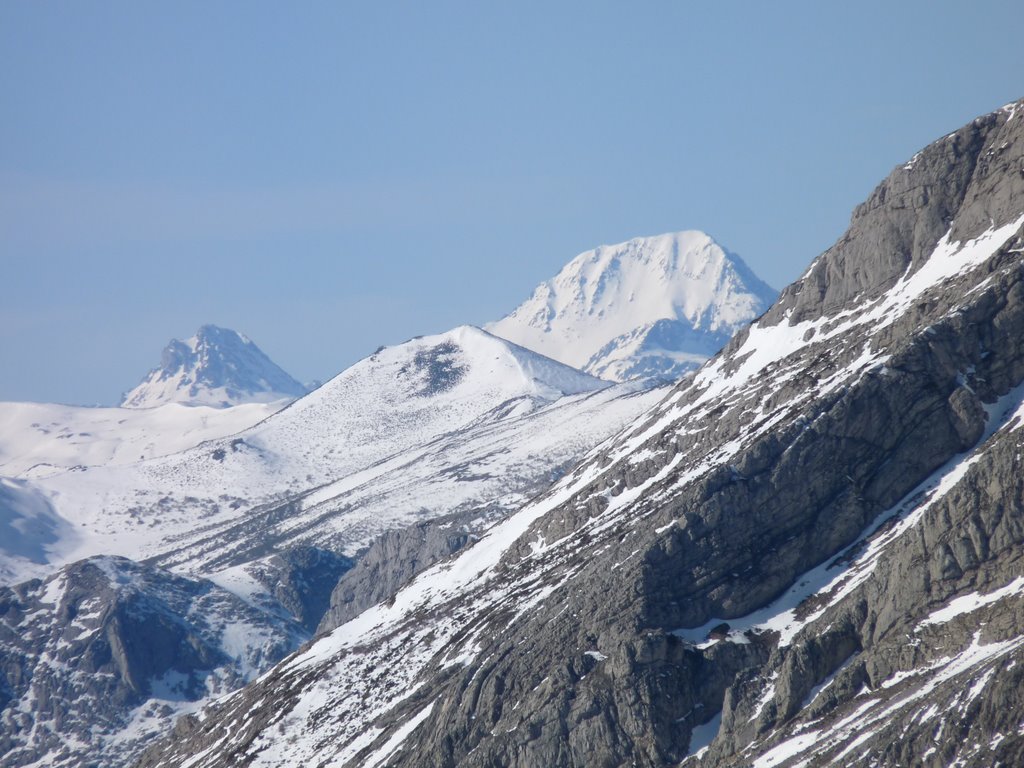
<point x="455" y="421"/>
<point x="653" y="306"/>
<point x="37" y="439"/>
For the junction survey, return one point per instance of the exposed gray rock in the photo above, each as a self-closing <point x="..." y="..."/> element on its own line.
<point x="437" y="368"/>
<point x="302" y="580"/>
<point x="908" y="682"/>
<point x="104" y="653"/>
<point x="392" y="561"/>
<point x="961" y="183"/>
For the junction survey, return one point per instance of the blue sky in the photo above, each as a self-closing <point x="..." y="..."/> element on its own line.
<point x="329" y="177"/>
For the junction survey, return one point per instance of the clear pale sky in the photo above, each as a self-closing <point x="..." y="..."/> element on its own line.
<point x="329" y="177"/>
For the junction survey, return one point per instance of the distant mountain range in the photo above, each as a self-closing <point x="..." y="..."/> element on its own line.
<point x="809" y="553"/>
<point x="418" y="404"/>
<point x="647" y="309"/>
<point x="462" y="551"/>
<point x="652" y="307"/>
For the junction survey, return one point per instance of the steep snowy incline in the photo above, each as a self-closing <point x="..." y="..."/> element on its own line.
<point x="38" y="439"/>
<point x="651" y="307"/>
<point x="217" y="367"/>
<point x="351" y="439"/>
<point x="565" y="635"/>
<point x="29" y="528"/>
<point x="397" y="398"/>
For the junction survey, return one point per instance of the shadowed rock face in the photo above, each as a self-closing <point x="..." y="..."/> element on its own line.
<point x="301" y="579"/>
<point x="856" y="455"/>
<point x="105" y="642"/>
<point x="391" y="562"/>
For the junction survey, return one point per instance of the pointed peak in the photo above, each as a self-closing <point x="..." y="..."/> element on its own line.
<point x="961" y="187"/>
<point x="684" y="239"/>
<point x="214" y="334"/>
<point x="217" y="367"/>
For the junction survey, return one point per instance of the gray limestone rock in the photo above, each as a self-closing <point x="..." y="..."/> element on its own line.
<point x="302" y="579"/>
<point x="391" y="562"/>
<point x="104" y="653"/>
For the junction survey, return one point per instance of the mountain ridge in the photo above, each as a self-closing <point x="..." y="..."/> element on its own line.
<point x="337" y="442"/>
<point x="459" y="427"/>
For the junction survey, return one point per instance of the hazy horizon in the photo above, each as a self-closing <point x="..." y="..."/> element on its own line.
<point x="332" y="180"/>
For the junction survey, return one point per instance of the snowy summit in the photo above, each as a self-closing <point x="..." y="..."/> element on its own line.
<point x="651" y="307"/>
<point x="216" y="367"/>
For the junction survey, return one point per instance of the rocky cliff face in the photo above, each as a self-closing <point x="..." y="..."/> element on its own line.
<point x="808" y="552"/>
<point x="393" y="560"/>
<point x="103" y="654"/>
<point x="301" y="580"/>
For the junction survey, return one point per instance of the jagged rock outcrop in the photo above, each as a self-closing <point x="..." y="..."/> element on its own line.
<point x="917" y="665"/>
<point x="391" y="562"/>
<point x="962" y="184"/>
<point x="302" y="580"/>
<point x="106" y="652"/>
<point x="841" y="486"/>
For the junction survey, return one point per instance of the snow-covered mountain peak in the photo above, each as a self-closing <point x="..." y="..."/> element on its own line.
<point x="652" y="306"/>
<point x="217" y="367"/>
<point x="460" y="368"/>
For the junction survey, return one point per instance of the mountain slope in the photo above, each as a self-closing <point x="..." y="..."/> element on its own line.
<point x="462" y="425"/>
<point x="432" y="426"/>
<point x="216" y="367"/>
<point x="842" y="482"/>
<point x="651" y="307"/>
<point x="38" y="439"/>
<point x="106" y="652"/>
